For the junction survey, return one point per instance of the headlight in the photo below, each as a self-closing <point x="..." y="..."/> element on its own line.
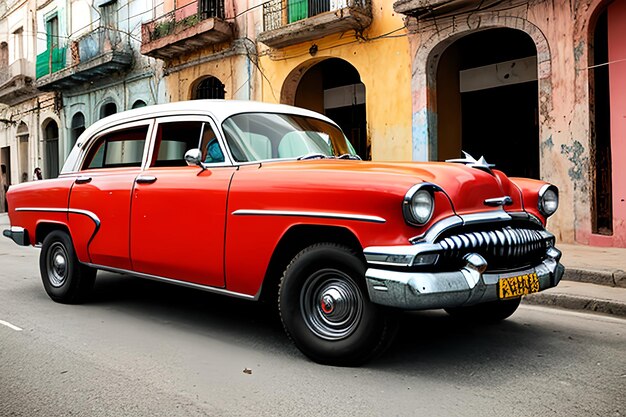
<point x="548" y="200"/>
<point x="419" y="204"/>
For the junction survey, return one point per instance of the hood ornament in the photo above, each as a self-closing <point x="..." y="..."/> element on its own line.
<point x="469" y="160"/>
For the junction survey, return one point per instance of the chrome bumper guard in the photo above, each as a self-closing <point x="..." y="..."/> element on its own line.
<point x="17" y="235"/>
<point x="432" y="290"/>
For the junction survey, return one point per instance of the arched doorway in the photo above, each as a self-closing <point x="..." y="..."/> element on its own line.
<point x="51" y="139"/>
<point x="77" y="128"/>
<point x="208" y="88"/>
<point x="108" y="109"/>
<point x="23" y="146"/>
<point x="139" y="104"/>
<point x="487" y="100"/>
<point x="332" y="87"/>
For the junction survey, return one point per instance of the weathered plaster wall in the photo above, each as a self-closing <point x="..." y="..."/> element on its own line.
<point x="617" y="71"/>
<point x="236" y="72"/>
<point x="560" y="30"/>
<point x="384" y="68"/>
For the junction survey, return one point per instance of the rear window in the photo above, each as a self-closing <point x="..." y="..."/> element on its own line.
<point x="122" y="148"/>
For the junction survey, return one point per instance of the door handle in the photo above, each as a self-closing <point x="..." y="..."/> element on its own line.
<point x="82" y="180"/>
<point x="145" y="179"/>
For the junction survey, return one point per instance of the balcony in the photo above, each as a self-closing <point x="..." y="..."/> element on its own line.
<point x="196" y="25"/>
<point x="422" y="9"/>
<point x="98" y="54"/>
<point x="289" y="22"/>
<point x="16" y="82"/>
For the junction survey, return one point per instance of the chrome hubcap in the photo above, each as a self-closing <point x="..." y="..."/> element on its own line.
<point x="332" y="304"/>
<point x="57" y="265"/>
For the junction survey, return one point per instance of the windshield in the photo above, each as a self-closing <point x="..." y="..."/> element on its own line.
<point x="259" y="136"/>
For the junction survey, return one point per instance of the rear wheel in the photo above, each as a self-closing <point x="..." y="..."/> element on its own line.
<point x="64" y="278"/>
<point x="491" y="312"/>
<point x="325" y="310"/>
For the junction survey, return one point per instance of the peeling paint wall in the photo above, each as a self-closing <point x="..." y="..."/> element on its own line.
<point x="560" y="30"/>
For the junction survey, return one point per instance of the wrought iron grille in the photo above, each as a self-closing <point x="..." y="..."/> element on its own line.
<point x="279" y="13"/>
<point x="210" y="88"/>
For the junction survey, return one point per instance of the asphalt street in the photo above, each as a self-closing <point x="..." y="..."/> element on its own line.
<point x="141" y="348"/>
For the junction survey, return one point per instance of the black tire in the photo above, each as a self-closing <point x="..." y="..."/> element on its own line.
<point x="491" y="312"/>
<point x="325" y="309"/>
<point x="64" y="278"/>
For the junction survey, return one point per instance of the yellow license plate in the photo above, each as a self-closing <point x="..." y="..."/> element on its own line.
<point x="517" y="286"/>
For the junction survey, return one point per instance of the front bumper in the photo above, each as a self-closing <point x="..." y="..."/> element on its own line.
<point x="468" y="286"/>
<point x="17" y="235"/>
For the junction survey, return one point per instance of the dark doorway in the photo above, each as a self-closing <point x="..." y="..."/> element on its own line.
<point x="487" y="100"/>
<point x="78" y="127"/>
<point x="108" y="109"/>
<point x="602" y="205"/>
<point x="333" y="87"/>
<point x="51" y="138"/>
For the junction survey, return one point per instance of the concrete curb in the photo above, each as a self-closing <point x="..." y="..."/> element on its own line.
<point x="573" y="302"/>
<point x="615" y="278"/>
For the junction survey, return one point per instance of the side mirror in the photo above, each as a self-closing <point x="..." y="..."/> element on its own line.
<point x="194" y="157"/>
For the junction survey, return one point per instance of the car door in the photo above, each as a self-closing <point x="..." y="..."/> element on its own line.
<point x="101" y="193"/>
<point x="178" y="215"/>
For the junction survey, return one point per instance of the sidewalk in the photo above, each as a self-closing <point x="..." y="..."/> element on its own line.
<point x="594" y="280"/>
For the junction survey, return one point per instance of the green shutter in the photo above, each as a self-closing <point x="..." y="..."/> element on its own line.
<point x="43" y="67"/>
<point x="298" y="10"/>
<point x="58" y="59"/>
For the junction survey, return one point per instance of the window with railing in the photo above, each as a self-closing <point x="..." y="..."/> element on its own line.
<point x="53" y="58"/>
<point x="185" y="17"/>
<point x="278" y="13"/>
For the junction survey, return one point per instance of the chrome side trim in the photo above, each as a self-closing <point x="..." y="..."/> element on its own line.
<point x="206" y="288"/>
<point x="318" y="214"/>
<point x="87" y="213"/>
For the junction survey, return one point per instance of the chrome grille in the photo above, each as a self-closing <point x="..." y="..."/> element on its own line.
<point x="502" y="248"/>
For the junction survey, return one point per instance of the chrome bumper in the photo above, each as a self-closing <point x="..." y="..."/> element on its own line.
<point x="468" y="286"/>
<point x="17" y="235"/>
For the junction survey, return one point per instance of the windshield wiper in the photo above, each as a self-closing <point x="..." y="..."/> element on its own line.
<point x="314" y="155"/>
<point x="349" y="156"/>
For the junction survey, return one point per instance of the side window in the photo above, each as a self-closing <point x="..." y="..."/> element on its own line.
<point x="174" y="139"/>
<point x="210" y="147"/>
<point x="122" y="148"/>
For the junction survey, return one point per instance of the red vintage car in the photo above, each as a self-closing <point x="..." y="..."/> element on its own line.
<point x="261" y="201"/>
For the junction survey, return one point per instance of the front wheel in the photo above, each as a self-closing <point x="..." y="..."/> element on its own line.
<point x="491" y="312"/>
<point x="64" y="278"/>
<point x="325" y="310"/>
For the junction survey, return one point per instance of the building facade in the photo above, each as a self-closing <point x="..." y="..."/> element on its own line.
<point x="206" y="48"/>
<point x="89" y="55"/>
<point x="348" y="59"/>
<point x="538" y="88"/>
<point x="22" y="107"/>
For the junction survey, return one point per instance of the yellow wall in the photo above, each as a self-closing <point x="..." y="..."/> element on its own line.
<point x="383" y="64"/>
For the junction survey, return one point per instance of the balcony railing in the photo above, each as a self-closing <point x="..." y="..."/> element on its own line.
<point x="287" y="22"/>
<point x="50" y="61"/>
<point x="16" y="82"/>
<point x="100" y="53"/>
<point x="192" y="26"/>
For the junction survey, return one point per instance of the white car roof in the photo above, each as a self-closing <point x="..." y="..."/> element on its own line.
<point x="219" y="109"/>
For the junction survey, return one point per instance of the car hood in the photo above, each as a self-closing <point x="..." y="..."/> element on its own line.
<point x="467" y="187"/>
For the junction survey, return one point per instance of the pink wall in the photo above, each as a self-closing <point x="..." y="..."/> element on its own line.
<point x="617" y="85"/>
<point x="617" y="82"/>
